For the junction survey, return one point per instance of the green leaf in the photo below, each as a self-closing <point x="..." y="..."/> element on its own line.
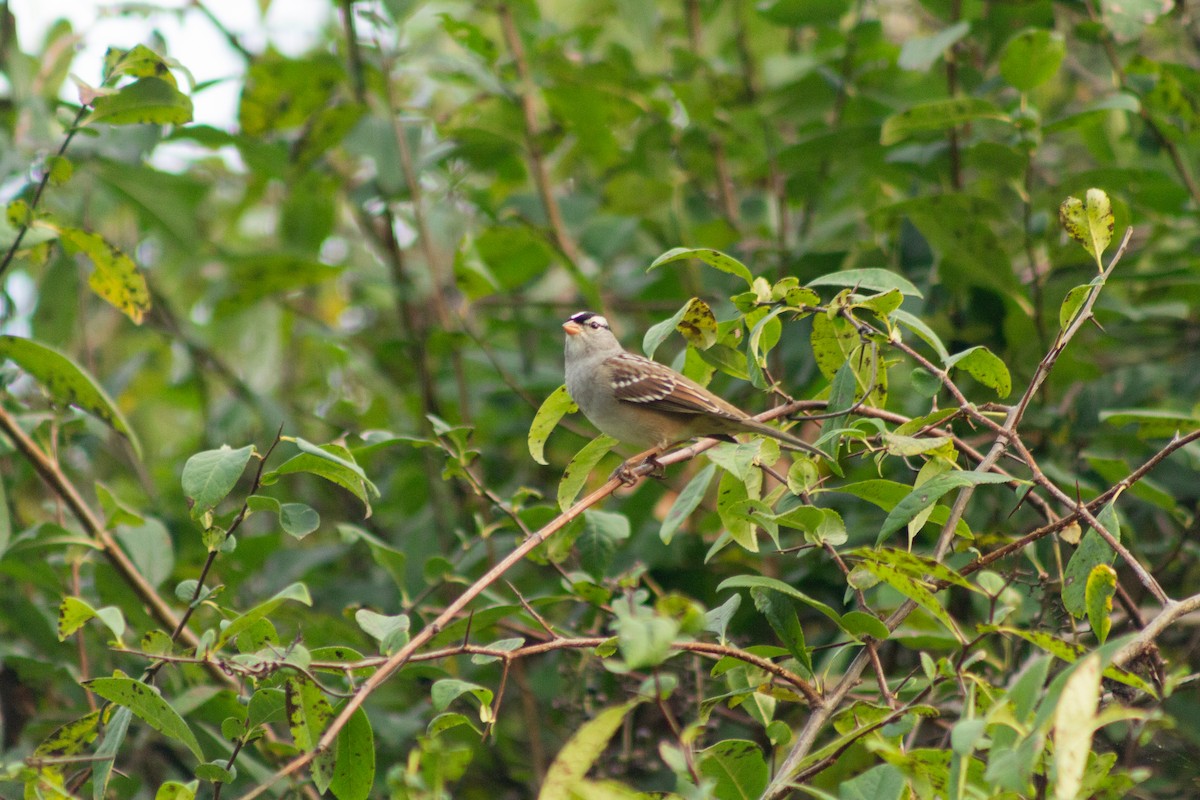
<point x="581" y="466"/>
<point x="717" y="619"/>
<point x="1089" y="222"/>
<point x="873" y="279"/>
<point x="736" y="766"/>
<point x="1101" y="586"/>
<point x="148" y="705"/>
<point x="860" y="624"/>
<point x="919" y="52"/>
<point x="776" y="585"/>
<point x="215" y="772"/>
<point x="1032" y="57"/>
<point x="336" y="454"/>
<point x="1152" y="423"/>
<point x="448" y="720"/>
<point x="714" y="258"/>
<point x="210" y="476"/>
<point x="298" y="520"/>
<point x="332" y="462"/>
<point x="918" y="326"/>
<point x="116" y="729"/>
<point x="580" y="752"/>
<point x="916" y="566"/>
<point x="644" y="636"/>
<point x="447" y="690"/>
<point x="1072" y="303"/>
<point x="821" y="526"/>
<point x="1070" y="653"/>
<point x="354" y="770"/>
<point x="731" y="497"/>
<point x="389" y="558"/>
<point x="603" y="532"/>
<point x="553" y="408"/>
<point x="150" y="547"/>
<point x="688" y="501"/>
<point x="309" y="714"/>
<point x="929" y="493"/>
<point x="937" y="116"/>
<point x="907" y="446"/>
<point x="984" y="366"/>
<point x="657" y="333"/>
<point x="780" y="612"/>
<point x="74" y="613"/>
<point x="295" y="592"/>
<point x="914" y="589"/>
<point x="66" y="382"/>
<point x="888" y="494"/>
<point x="390" y="631"/>
<point x="149" y="100"/>
<point x="266" y="705"/>
<point x="174" y="790"/>
<point x="1092" y="552"/>
<point x="138" y="61"/>
<point x="881" y="782"/>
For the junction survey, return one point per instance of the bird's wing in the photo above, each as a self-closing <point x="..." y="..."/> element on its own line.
<point x="640" y="380"/>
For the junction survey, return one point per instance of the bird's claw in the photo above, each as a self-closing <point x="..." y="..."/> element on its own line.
<point x="624" y="474"/>
<point x="627" y="474"/>
<point x="657" y="470"/>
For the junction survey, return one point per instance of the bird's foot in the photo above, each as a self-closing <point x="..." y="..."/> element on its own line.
<point x="657" y="470"/>
<point x="624" y="474"/>
<point x="627" y="472"/>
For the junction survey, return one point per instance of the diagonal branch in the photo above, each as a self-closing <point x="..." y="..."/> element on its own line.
<point x="61" y="485"/>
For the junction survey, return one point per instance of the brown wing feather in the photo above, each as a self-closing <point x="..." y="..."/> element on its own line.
<point x="640" y="380"/>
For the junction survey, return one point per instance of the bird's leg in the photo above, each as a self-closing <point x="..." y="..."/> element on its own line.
<point x="657" y="470"/>
<point x="625" y="472"/>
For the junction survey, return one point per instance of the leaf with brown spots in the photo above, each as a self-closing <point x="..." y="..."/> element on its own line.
<point x="66" y="382"/>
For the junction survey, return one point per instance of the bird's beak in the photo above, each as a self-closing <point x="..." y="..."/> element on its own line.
<point x="572" y="327"/>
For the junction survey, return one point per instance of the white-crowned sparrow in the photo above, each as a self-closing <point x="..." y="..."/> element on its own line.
<point x="644" y="403"/>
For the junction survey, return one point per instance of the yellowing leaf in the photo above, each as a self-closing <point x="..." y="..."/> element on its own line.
<point x="114" y="275"/>
<point x="1101" y="586"/>
<point x="1074" y="724"/>
<point x="1089" y="221"/>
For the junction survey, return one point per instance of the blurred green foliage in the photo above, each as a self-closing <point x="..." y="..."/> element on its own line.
<point x="269" y="388"/>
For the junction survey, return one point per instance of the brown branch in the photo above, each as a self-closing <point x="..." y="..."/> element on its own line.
<point x="406" y="653"/>
<point x="1145" y="638"/>
<point x="1006" y="436"/>
<point x="409" y="651"/>
<point x="61" y="485"/>
<point x="41" y="187"/>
